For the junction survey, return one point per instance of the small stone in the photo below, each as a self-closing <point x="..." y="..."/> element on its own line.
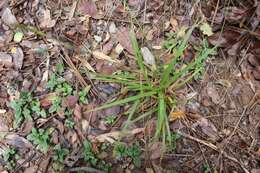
<point x="97" y="38"/>
<point x="8" y="18"/>
<point x="119" y="49"/>
<point x="112" y="28"/>
<point x="6" y="59"/>
<point x="148" y="56"/>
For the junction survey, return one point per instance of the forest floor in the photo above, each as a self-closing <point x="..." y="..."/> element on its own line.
<point x="154" y="86"/>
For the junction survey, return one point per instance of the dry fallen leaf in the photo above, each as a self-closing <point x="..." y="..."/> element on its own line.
<point x="45" y="19"/>
<point x="17" y="141"/>
<point x="18" y="57"/>
<point x="174" y="23"/>
<point x="88" y="7"/>
<point x="177" y="115"/>
<point x="6" y="59"/>
<point x="8" y="18"/>
<point x="102" y="56"/>
<point x="113" y="136"/>
<point x="123" y="37"/>
<point x="207" y="127"/>
<point x="156" y="150"/>
<point x="213" y="93"/>
<point x="225" y="39"/>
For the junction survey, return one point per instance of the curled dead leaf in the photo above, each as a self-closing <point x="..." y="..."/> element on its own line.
<point x="177" y="115"/>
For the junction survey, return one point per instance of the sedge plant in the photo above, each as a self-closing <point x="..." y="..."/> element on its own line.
<point x="148" y="88"/>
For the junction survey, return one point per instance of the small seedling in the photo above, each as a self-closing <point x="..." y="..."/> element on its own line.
<point x="20" y="107"/>
<point x="83" y="95"/>
<point x="68" y="112"/>
<point x="40" y="138"/>
<point x="10" y="156"/>
<point x="134" y="153"/>
<point x="25" y="107"/>
<point x="171" y="142"/>
<point x="59" y="68"/>
<point x="206" y="168"/>
<point x="58" y="157"/>
<point x="54" y="82"/>
<point x="69" y="123"/>
<point x="110" y="120"/>
<point x="104" y="166"/>
<point x="36" y="107"/>
<point x="65" y="89"/>
<point x="89" y="154"/>
<point x="121" y="151"/>
<point x="60" y="153"/>
<point x="55" y="107"/>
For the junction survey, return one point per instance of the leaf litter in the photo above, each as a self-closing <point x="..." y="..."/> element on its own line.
<point x="90" y="40"/>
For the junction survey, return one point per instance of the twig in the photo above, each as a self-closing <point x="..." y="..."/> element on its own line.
<point x="87" y="169"/>
<point x="215" y="13"/>
<point x="214" y="147"/>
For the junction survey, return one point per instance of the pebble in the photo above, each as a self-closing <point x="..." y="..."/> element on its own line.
<point x="112" y="28"/>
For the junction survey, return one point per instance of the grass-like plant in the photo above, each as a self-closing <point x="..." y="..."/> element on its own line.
<point x="148" y="89"/>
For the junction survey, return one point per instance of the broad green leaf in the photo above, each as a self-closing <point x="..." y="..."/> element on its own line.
<point x="18" y="36"/>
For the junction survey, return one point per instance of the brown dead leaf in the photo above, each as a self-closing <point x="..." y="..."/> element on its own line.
<point x="255" y="171"/>
<point x="256" y="73"/>
<point x="174" y="23"/>
<point x="6" y="59"/>
<point x="78" y="112"/>
<point x="207" y="127"/>
<point x="3" y="124"/>
<point x="47" y="99"/>
<point x="235" y="14"/>
<point x="213" y="93"/>
<point x="123" y="37"/>
<point x="88" y="7"/>
<point x="225" y="39"/>
<point x="17" y="141"/>
<point x="104" y="67"/>
<point x="43" y="166"/>
<point x="253" y="60"/>
<point x="70" y="101"/>
<point x="32" y="169"/>
<point x="18" y="57"/>
<point x="156" y="150"/>
<point x="45" y="18"/>
<point x="107" y="47"/>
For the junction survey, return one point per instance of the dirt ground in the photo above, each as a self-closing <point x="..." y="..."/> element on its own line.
<point x="49" y="47"/>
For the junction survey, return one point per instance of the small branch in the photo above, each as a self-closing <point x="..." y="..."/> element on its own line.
<point x="87" y="169"/>
<point x="214" y="147"/>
